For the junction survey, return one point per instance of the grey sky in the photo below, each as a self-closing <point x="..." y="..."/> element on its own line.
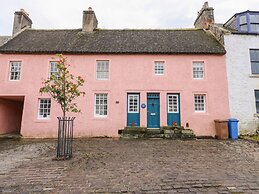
<point x="66" y="14"/>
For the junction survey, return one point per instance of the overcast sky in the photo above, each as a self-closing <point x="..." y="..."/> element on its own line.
<point x="117" y="14"/>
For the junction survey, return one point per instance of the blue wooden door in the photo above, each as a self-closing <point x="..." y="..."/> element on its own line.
<point x="173" y="109"/>
<point x="133" y="116"/>
<point x="153" y="110"/>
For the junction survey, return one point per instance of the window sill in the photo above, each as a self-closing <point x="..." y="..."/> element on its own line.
<point x="100" y="117"/>
<point x="198" y="78"/>
<point x="200" y="113"/>
<point x="159" y="74"/>
<point x="102" y="79"/>
<point x="14" y="80"/>
<point x="254" y="75"/>
<point x="43" y="120"/>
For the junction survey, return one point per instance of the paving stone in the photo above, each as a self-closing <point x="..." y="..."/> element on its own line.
<point x="197" y="186"/>
<point x="183" y="190"/>
<point x="131" y="166"/>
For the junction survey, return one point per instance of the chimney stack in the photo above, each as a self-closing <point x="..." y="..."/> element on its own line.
<point x="21" y="21"/>
<point x="205" y="17"/>
<point x="90" y="21"/>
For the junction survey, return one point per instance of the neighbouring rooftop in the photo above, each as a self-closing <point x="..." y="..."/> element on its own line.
<point x="3" y="39"/>
<point x="245" y="22"/>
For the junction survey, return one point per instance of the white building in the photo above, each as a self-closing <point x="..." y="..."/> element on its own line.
<point x="240" y="36"/>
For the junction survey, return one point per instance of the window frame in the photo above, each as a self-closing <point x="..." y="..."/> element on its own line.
<point x="196" y="72"/>
<point x="254" y="23"/>
<point x="257" y="102"/>
<point x="50" y="68"/>
<point x="10" y="70"/>
<point x="204" y="103"/>
<point x="159" y="68"/>
<point x="137" y="105"/>
<point x="107" y="71"/>
<point x="254" y="61"/>
<point x="95" y="105"/>
<point x="168" y="104"/>
<point x="39" y="108"/>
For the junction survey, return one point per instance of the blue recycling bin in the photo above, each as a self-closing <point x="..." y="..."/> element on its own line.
<point x="233" y="128"/>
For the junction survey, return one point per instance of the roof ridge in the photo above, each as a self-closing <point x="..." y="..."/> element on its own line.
<point x="34" y="29"/>
<point x="123" y="29"/>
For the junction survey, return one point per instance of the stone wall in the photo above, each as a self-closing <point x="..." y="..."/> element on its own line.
<point x="218" y="32"/>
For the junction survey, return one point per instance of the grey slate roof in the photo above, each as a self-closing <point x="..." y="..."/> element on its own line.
<point x="3" y="39"/>
<point x="188" y="41"/>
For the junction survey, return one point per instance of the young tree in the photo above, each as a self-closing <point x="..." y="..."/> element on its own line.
<point x="63" y="87"/>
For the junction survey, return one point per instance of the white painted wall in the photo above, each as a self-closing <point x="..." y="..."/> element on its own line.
<point x="241" y="83"/>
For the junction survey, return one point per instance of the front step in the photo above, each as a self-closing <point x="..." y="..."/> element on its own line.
<point x="172" y="132"/>
<point x="10" y="136"/>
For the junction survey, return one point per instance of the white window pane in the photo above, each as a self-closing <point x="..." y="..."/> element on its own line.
<point x="101" y="104"/>
<point x="133" y="103"/>
<point x="15" y="68"/>
<point x="54" y="68"/>
<point x="159" y="67"/>
<point x="172" y="102"/>
<point x="102" y="70"/>
<point x="199" y="101"/>
<point x="198" y="70"/>
<point x="44" y="108"/>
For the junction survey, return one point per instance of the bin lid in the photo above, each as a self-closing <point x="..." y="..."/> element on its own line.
<point x="233" y="120"/>
<point x="220" y="121"/>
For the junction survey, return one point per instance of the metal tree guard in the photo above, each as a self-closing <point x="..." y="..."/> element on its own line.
<point x="65" y="137"/>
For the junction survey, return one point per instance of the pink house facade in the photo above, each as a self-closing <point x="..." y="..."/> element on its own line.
<point x="146" y="78"/>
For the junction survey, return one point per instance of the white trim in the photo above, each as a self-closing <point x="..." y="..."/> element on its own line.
<point x="133" y="95"/>
<point x="108" y="69"/>
<point x="160" y="64"/>
<point x="203" y="69"/>
<point x="204" y="99"/>
<point x="50" y="63"/>
<point x="98" y="115"/>
<point x="9" y="71"/>
<point x="177" y="99"/>
<point x="39" y="116"/>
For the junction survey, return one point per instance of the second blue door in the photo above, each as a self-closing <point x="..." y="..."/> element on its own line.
<point x="133" y="117"/>
<point x="173" y="109"/>
<point x="153" y="110"/>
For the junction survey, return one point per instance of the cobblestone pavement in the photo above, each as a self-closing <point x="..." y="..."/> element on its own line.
<point x="131" y="166"/>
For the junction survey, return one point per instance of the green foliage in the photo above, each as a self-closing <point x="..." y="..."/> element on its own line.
<point x="63" y="87"/>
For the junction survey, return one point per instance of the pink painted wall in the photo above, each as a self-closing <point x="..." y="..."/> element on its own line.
<point x="128" y="73"/>
<point x="10" y="116"/>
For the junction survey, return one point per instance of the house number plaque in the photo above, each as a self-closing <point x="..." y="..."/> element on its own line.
<point x="143" y="105"/>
